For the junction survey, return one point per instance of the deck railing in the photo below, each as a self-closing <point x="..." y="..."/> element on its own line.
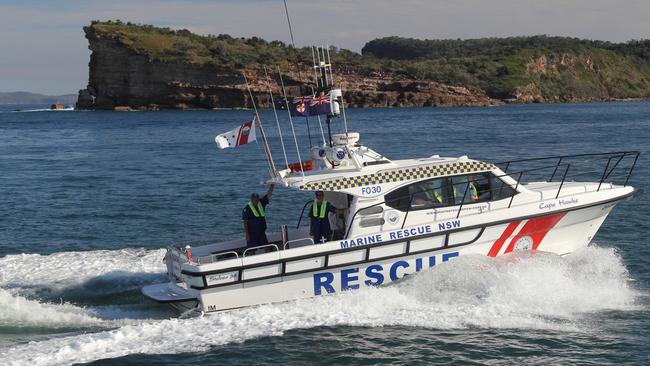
<point x="568" y="166"/>
<point x="617" y="166"/>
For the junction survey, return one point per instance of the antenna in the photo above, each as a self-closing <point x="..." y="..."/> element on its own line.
<point x="295" y="140"/>
<point x="313" y="92"/>
<point x="293" y="44"/>
<point x="320" y="77"/>
<point x="324" y="70"/>
<point x="329" y="61"/>
<point x="313" y="60"/>
<point x="324" y="83"/>
<point x="286" y="10"/>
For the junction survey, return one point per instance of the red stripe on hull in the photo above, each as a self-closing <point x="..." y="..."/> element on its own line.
<point x="502" y="239"/>
<point x="537" y="229"/>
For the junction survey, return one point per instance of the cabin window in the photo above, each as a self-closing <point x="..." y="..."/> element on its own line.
<point x="420" y="195"/>
<point x="471" y="188"/>
<point x="448" y="191"/>
<point x="500" y="189"/>
<point x="481" y="187"/>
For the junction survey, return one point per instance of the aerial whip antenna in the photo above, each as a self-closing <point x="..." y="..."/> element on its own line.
<point x="313" y="59"/>
<point x="293" y="44"/>
<point x="295" y="140"/>
<point x="286" y="11"/>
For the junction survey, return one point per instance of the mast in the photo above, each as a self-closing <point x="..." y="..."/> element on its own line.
<point x="267" y="150"/>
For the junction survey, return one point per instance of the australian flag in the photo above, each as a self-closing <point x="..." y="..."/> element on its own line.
<point x="306" y="106"/>
<point x="320" y="105"/>
<point x="301" y="107"/>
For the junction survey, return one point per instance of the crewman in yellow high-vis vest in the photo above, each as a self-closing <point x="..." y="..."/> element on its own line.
<point x="319" y="219"/>
<point x="427" y="194"/>
<point x="254" y="219"/>
<point x="472" y="191"/>
<point x="468" y="190"/>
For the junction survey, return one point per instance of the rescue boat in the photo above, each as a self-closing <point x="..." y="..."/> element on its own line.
<point x="392" y="228"/>
<point x="400" y="217"/>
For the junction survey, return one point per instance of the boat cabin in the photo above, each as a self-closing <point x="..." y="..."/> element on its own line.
<point x="376" y="194"/>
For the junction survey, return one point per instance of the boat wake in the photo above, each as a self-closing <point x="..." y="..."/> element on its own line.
<point x="73" y="290"/>
<point x="523" y="290"/>
<point x="62" y="273"/>
<point x="19" y="311"/>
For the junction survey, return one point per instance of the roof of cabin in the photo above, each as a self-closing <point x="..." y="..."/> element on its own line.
<point x="392" y="173"/>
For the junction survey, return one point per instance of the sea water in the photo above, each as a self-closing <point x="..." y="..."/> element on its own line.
<point x="90" y="199"/>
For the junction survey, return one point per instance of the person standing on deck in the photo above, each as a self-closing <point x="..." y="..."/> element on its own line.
<point x="254" y="219"/>
<point x="319" y="219"/>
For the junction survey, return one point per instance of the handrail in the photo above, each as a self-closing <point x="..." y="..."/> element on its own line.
<point x="512" y="197"/>
<point x="631" y="169"/>
<point x="562" y="182"/>
<point x="614" y="167"/>
<point x="604" y="172"/>
<point x="213" y="257"/>
<point x="630" y="152"/>
<point x="302" y="213"/>
<point x="260" y="247"/>
<point x="411" y="196"/>
<point x="296" y="240"/>
<point x="460" y="208"/>
<point x="567" y="166"/>
<point x="555" y="171"/>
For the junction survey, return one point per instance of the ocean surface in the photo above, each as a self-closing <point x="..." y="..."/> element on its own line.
<point x="90" y="199"/>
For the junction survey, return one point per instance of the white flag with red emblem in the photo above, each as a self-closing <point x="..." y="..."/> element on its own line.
<point x="239" y="136"/>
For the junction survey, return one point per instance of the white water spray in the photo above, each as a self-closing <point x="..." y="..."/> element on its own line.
<point x="523" y="291"/>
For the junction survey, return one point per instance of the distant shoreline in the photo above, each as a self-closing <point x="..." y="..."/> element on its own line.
<point x="35" y="108"/>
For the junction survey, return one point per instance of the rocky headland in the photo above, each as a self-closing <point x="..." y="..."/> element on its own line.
<point x="145" y="67"/>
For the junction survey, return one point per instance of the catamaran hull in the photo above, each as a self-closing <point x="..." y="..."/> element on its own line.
<point x="557" y="232"/>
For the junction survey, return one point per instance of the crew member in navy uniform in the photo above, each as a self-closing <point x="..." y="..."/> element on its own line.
<point x="320" y="224"/>
<point x="254" y="218"/>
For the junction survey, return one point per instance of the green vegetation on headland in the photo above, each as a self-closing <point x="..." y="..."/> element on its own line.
<point x="525" y="69"/>
<point x="556" y="66"/>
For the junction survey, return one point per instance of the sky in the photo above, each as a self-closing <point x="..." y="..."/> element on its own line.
<point x="43" y="49"/>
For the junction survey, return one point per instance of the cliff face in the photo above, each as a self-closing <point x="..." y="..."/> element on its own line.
<point x="537" y="69"/>
<point x="122" y="73"/>
<point x="120" y="76"/>
<point x="140" y="66"/>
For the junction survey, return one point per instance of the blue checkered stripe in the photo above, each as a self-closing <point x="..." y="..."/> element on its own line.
<point x="414" y="173"/>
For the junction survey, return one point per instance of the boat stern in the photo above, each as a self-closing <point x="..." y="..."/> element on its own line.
<point x="175" y="292"/>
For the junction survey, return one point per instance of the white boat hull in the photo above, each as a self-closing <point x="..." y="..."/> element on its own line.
<point x="560" y="232"/>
